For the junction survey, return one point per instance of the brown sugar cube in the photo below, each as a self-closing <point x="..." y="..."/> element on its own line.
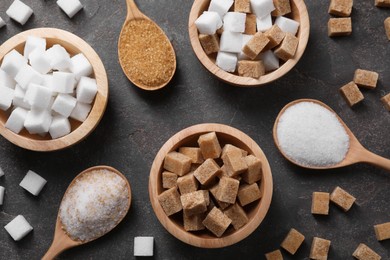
<point x="187" y="183"/>
<point x="238" y="216"/>
<point x="382" y="231"/>
<point x="382" y="3"/>
<point x="207" y="171"/>
<point x="255" y="45"/>
<point x="193" y="203"/>
<point x="224" y="173"/>
<point x="287" y="48"/>
<point x="169" y="179"/>
<point x="274" y="255"/>
<point x="177" y="163"/>
<point x="387" y="27"/>
<point x="242" y="6"/>
<point x="282" y="7"/>
<point x="319" y="249"/>
<point x="339" y="26"/>
<point x="227" y="190"/>
<point x="194" y="153"/>
<point x="234" y="162"/>
<point x="214" y="192"/>
<point x="248" y="194"/>
<point x="351" y="93"/>
<point x="170" y="201"/>
<point x="386" y="101"/>
<point x="293" y="241"/>
<point x="254" y="172"/>
<point x="217" y="222"/>
<point x="365" y="78"/>
<point x="275" y="36"/>
<point x="229" y="147"/>
<point x="340" y="7"/>
<point x="194" y="222"/>
<point x="320" y="203"/>
<point x="250" y="24"/>
<point x="363" y="252"/>
<point x="209" y="145"/>
<point x="206" y="196"/>
<point x="252" y="69"/>
<point x="210" y="43"/>
<point x="342" y="198"/>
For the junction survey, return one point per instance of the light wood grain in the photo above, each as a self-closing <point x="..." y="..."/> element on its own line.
<point x="256" y="211"/>
<point x="61" y="240"/>
<point x="133" y="13"/>
<point x="74" y="45"/>
<point x="356" y="153"/>
<point x="299" y="13"/>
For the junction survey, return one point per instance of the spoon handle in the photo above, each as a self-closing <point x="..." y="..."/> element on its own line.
<point x="374" y="159"/>
<point x="56" y="248"/>
<point x="133" y="11"/>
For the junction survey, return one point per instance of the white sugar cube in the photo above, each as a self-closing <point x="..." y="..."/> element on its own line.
<point x="262" y="8"/>
<point x="270" y="61"/>
<point x="2" y="23"/>
<point x="81" y="112"/>
<point x="80" y="66"/>
<point x="27" y="75"/>
<point x="33" y="183"/>
<point x="70" y="7"/>
<point x="227" y="61"/>
<point x="18" y="228"/>
<point x="143" y="246"/>
<point x="15" y="122"/>
<point x="18" y="100"/>
<point x="264" y="23"/>
<point x="64" y="82"/>
<point x="208" y="23"/>
<point x="220" y="6"/>
<point x="12" y="63"/>
<point x="38" y="121"/>
<point x="33" y="43"/>
<point x="231" y="42"/>
<point x="38" y="96"/>
<point x="86" y="90"/>
<point x="19" y="11"/>
<point x="1" y="195"/>
<point x="6" y="80"/>
<point x="6" y="96"/>
<point x="39" y="61"/>
<point x="64" y="104"/>
<point x="287" y="24"/>
<point x="1" y="172"/>
<point x="59" y="57"/>
<point x="59" y="127"/>
<point x="245" y="40"/>
<point x="49" y="83"/>
<point x="234" y="22"/>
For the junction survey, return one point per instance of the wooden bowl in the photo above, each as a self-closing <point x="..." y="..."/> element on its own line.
<point x="298" y="13"/>
<point x="74" y="45"/>
<point x="256" y="211"/>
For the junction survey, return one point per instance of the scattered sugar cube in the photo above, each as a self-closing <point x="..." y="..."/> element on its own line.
<point x="270" y="61"/>
<point x="245" y="39"/>
<point x="242" y="6"/>
<point x="238" y="216"/>
<point x="169" y="180"/>
<point x="320" y="203"/>
<point x="15" y="122"/>
<point x="382" y="231"/>
<point x="6" y="96"/>
<point x="319" y="248"/>
<point x="351" y="93"/>
<point x="38" y="121"/>
<point x="264" y="23"/>
<point x="80" y="66"/>
<point x="33" y="43"/>
<point x="287" y="25"/>
<point x="18" y="100"/>
<point x="6" y="80"/>
<point x="231" y="42"/>
<point x="19" y="11"/>
<point x="12" y="62"/>
<point x="386" y="101"/>
<point x="220" y="6"/>
<point x="59" y="57"/>
<point x="187" y="183"/>
<point x="64" y="104"/>
<point x="39" y="61"/>
<point x="339" y="26"/>
<point x="274" y="255"/>
<point x="210" y="43"/>
<point x="342" y="198"/>
<point x="287" y="48"/>
<point x="217" y="222"/>
<point x="255" y="45"/>
<point x="248" y="194"/>
<point x="86" y="90"/>
<point x="177" y="163"/>
<point x="18" y="228"/>
<point x="38" y="96"/>
<point x="143" y="246"/>
<point x="70" y="7"/>
<point x="81" y="112"/>
<point x="2" y="23"/>
<point x="340" y="7"/>
<point x="33" y="183"/>
<point x="64" y="82"/>
<point x="170" y="201"/>
<point x="234" y="22"/>
<point x="365" y="78"/>
<point x="226" y="61"/>
<point x="194" y="153"/>
<point x="28" y="75"/>
<point x="275" y="36"/>
<point x="208" y="23"/>
<point x="293" y="241"/>
<point x="282" y="7"/>
<point x="250" y="24"/>
<point x="363" y="252"/>
<point x="59" y="127"/>
<point x="387" y="27"/>
<point x="262" y="8"/>
<point x="209" y="145"/>
<point x="1" y="195"/>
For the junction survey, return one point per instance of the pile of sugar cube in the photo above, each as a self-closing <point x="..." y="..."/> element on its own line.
<point x="44" y="87"/>
<point x="253" y="37"/>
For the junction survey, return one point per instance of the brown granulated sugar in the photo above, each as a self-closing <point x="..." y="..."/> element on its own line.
<point x="146" y="55"/>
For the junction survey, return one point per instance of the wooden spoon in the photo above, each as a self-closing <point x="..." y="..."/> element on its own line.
<point x="152" y="55"/>
<point x="356" y="153"/>
<point x="61" y="240"/>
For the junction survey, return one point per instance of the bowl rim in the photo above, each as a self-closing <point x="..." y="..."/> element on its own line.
<point x="235" y="80"/>
<point x="99" y="105"/>
<point x="259" y="212"/>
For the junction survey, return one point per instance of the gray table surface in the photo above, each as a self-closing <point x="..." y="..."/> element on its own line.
<point x="137" y="123"/>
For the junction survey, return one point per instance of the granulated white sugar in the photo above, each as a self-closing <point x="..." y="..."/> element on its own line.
<point x="311" y="135"/>
<point x="94" y="205"/>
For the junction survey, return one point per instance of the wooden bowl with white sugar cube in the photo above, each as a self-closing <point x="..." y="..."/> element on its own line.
<point x="226" y="38"/>
<point x="53" y="89"/>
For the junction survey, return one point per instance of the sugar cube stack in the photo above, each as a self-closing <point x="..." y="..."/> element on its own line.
<point x="70" y="7"/>
<point x="33" y="183"/>
<point x="18" y="228"/>
<point x="19" y="12"/>
<point x="143" y="246"/>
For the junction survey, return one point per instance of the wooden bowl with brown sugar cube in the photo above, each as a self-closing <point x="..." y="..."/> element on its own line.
<point x="266" y="53"/>
<point x="210" y="185"/>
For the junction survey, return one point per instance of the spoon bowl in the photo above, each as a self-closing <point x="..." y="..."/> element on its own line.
<point x="62" y="241"/>
<point x="355" y="154"/>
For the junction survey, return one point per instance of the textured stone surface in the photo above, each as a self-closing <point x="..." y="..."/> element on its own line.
<point x="137" y="123"/>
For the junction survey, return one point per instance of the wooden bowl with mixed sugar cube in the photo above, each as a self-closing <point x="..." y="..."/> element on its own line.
<point x="53" y="89"/>
<point x="210" y="185"/>
<point x="249" y="43"/>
